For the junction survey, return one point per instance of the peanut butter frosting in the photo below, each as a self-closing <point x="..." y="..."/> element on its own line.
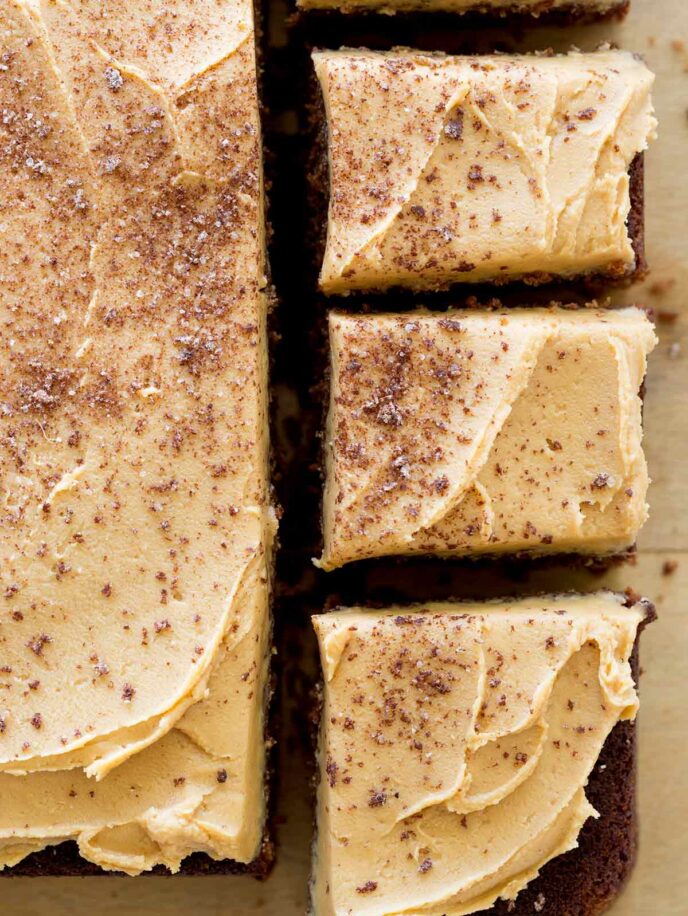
<point x="471" y="432"/>
<point x="456" y="743"/>
<point x="536" y="7"/>
<point x="136" y="524"/>
<point x="462" y="169"/>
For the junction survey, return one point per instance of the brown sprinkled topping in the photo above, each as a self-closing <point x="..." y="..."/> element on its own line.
<point x="450" y="324"/>
<point x="37" y="720"/>
<point x="428" y="680"/>
<point x="114" y="79"/>
<point x="425" y="866"/>
<point x="378" y="798"/>
<point x="221" y="775"/>
<point x="454" y="126"/>
<point x="600" y="482"/>
<point x="387" y="412"/>
<point x="367" y="888"/>
<point x="441" y="484"/>
<point x="402" y="620"/>
<point x="38" y="643"/>
<point x="128" y="693"/>
<point x="475" y="175"/>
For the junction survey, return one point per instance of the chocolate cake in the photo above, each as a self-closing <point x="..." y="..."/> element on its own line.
<point x="401" y="667"/>
<point x="472" y="432"/>
<point x="137" y="528"/>
<point x="566" y="11"/>
<point x="64" y="861"/>
<point x="457" y="202"/>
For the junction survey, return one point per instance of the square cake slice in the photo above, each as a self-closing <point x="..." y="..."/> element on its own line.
<point x="464" y="746"/>
<point x="474" y="432"/>
<point x="446" y="170"/>
<point x="136" y="522"/>
<point x="572" y="9"/>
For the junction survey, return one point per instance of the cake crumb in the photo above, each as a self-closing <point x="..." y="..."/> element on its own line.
<point x="661" y="287"/>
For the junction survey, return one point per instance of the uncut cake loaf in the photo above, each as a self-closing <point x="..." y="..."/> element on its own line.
<point x="477" y="432"/>
<point x="476" y="757"/>
<point x="136" y="523"/>
<point x="446" y="170"/>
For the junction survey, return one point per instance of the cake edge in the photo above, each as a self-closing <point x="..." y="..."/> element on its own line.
<point x="513" y="15"/>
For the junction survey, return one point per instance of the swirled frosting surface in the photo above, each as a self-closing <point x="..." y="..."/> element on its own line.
<point x="461" y="169"/>
<point x="456" y="743"/>
<point x="468" y="432"/>
<point x="136" y="523"/>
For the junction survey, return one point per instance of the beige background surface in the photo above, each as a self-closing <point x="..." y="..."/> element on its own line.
<point x="659" y="887"/>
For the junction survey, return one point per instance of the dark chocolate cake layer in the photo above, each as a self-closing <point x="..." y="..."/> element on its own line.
<point x="64" y="861"/>
<point x="336" y="27"/>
